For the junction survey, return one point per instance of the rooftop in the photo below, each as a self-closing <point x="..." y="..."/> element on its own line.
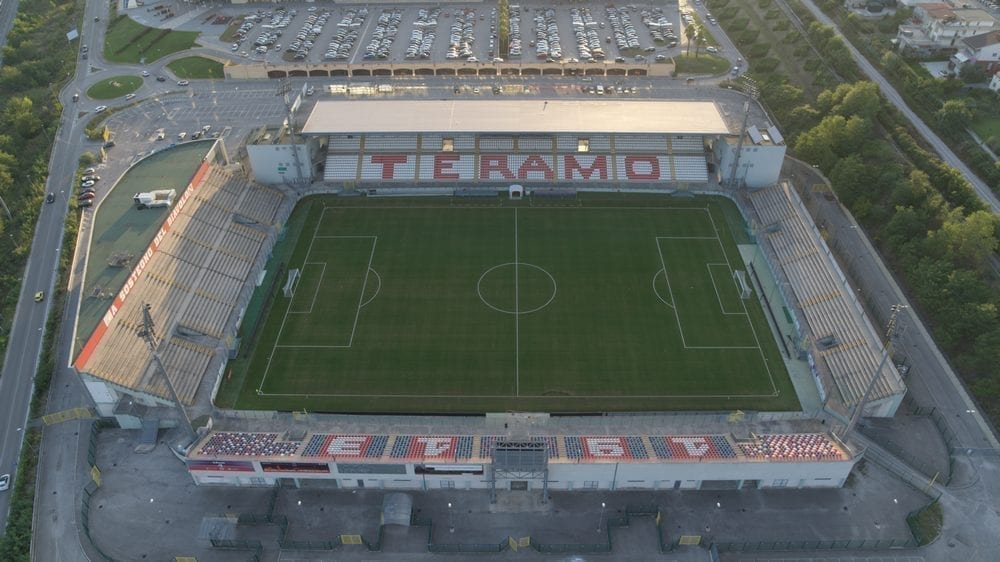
<point x="516" y="116"/>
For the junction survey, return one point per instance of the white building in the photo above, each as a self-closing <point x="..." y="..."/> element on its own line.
<point x="939" y="27"/>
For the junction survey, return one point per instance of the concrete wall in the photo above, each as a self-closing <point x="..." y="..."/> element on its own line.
<point x="759" y="165"/>
<point x="486" y="69"/>
<point x="274" y="164"/>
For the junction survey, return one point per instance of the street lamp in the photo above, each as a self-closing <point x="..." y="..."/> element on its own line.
<point x="451" y="519"/>
<point x="601" y="518"/>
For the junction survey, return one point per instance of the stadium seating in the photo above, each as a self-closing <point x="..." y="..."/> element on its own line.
<point x="344" y="143"/>
<point x="340" y="167"/>
<point x="690" y="168"/>
<point x="793" y="447"/>
<point x="376" y="171"/>
<point x="327" y="445"/>
<point x="687" y="145"/>
<point x="390" y="143"/>
<point x="828" y="310"/>
<point x="535" y="145"/>
<point x="245" y="444"/>
<point x="496" y="144"/>
<point x="656" y="144"/>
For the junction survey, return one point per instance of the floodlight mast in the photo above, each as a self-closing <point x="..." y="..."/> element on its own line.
<point x="749" y="87"/>
<point x="148" y="334"/>
<point x="890" y="332"/>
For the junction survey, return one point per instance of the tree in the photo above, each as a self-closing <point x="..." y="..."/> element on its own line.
<point x="967" y="241"/>
<point x="690" y="33"/>
<point x="954" y="115"/>
<point x="973" y="74"/>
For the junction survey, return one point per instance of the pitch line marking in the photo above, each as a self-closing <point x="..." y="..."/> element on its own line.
<point x="312" y="304"/>
<point x="656" y="292"/>
<point x="379" y="279"/>
<point x="760" y="348"/>
<point x="270" y="357"/>
<point x="364" y="284"/>
<point x="718" y="297"/>
<point x="526" y="396"/>
<point x="479" y="291"/>
<point x="517" y="317"/>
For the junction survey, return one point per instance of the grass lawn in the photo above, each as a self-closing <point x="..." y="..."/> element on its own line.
<point x="452" y="306"/>
<point x="705" y="63"/>
<point x="986" y="128"/>
<point x="114" y="87"/>
<point x="129" y="41"/>
<point x="196" y="67"/>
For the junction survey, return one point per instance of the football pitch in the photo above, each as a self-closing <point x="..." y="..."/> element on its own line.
<point x="438" y="305"/>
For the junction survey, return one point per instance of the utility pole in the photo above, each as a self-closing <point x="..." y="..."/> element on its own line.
<point x="749" y="87"/>
<point x="890" y="332"/>
<point x="148" y="334"/>
<point x="284" y="89"/>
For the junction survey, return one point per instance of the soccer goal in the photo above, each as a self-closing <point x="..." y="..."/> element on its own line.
<point x="293" y="282"/>
<point x="740" y="277"/>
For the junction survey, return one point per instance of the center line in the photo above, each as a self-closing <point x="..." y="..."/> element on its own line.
<point x="517" y="317"/>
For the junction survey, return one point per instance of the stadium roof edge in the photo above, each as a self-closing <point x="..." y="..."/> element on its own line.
<point x="520" y="116"/>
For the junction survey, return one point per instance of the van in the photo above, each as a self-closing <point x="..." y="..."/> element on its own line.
<point x="181" y="135"/>
<point x="600" y="90"/>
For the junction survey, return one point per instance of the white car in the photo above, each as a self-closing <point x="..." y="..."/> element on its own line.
<point x="711" y="49"/>
<point x="145" y="73"/>
<point x="4" y="482"/>
<point x="89" y="171"/>
<point x="129" y="96"/>
<point x="87" y="184"/>
<point x="101" y="108"/>
<point x="182" y="82"/>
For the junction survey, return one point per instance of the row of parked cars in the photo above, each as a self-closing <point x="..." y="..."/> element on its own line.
<point x="87" y="190"/>
<point x="423" y="34"/>
<point x="384" y="35"/>
<point x="661" y="29"/>
<point x="305" y="38"/>
<point x="463" y="35"/>
<point x="622" y="28"/>
<point x="548" y="44"/>
<point x="588" y="40"/>
<point x="342" y="43"/>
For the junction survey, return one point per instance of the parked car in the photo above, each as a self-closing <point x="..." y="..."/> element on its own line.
<point x="85" y="203"/>
<point x="89" y="171"/>
<point x="87" y="184"/>
<point x="90" y="177"/>
<point x="87" y="195"/>
<point x="109" y="144"/>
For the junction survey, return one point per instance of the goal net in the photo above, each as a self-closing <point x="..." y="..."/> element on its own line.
<point x="293" y="281"/>
<point x="740" y="277"/>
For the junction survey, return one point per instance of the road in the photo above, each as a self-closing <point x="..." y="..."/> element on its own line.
<point x="16" y="378"/>
<point x="890" y="93"/>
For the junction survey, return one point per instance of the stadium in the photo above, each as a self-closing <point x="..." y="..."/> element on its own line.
<point x="507" y="295"/>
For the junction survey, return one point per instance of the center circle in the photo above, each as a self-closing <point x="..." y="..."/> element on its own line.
<point x="516" y="288"/>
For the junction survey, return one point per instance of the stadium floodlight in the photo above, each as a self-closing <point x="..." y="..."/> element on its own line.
<point x="148" y="334"/>
<point x="749" y="87"/>
<point x="890" y="333"/>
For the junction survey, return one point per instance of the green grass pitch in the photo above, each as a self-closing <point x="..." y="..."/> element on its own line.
<point x="613" y="303"/>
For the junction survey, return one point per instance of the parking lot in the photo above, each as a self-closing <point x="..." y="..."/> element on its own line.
<point x="455" y="33"/>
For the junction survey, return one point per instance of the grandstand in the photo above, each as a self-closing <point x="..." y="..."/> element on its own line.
<point x="194" y="278"/>
<point x="848" y="348"/>
<point x="442" y="461"/>
<point x="550" y="141"/>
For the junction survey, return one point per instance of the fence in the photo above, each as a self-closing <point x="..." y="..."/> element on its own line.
<point x="841" y="544"/>
<point x="89" y="490"/>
